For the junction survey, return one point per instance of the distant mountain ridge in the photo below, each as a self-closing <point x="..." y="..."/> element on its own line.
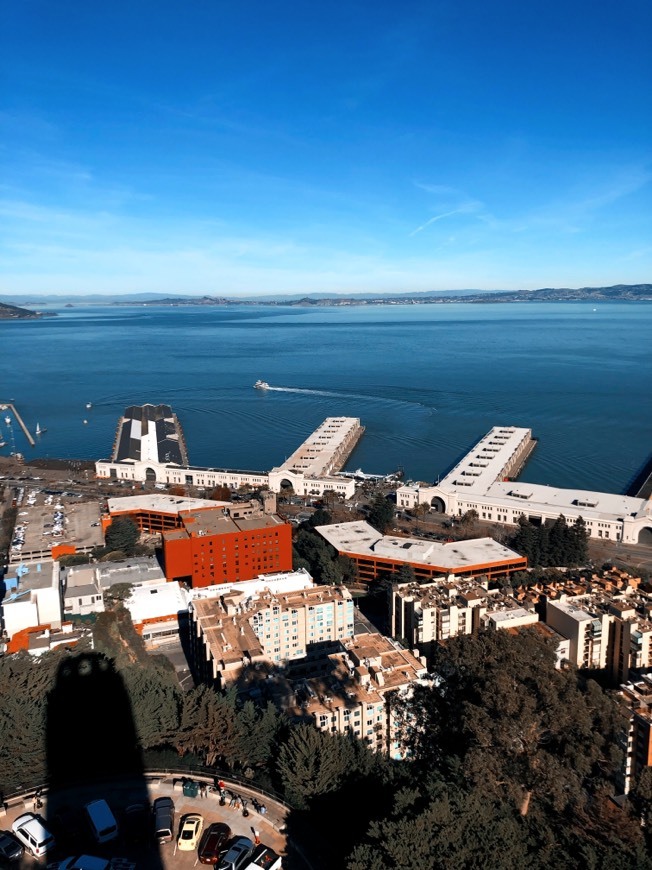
<point x="616" y="292"/>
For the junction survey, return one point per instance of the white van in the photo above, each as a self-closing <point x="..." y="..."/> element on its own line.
<point x="31" y="833"/>
<point x="102" y="821"/>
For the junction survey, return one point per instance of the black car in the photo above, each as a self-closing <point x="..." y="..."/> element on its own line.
<point x="137" y="824"/>
<point x="10" y="848"/>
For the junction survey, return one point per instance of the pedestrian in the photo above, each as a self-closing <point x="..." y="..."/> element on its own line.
<point x="233" y="799"/>
<point x="262" y="809"/>
<point x="256" y="837"/>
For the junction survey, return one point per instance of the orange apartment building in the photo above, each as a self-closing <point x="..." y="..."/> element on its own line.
<point x="213" y="548"/>
<point x="207" y="542"/>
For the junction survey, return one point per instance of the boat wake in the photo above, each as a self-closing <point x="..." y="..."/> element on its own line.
<point x="334" y="395"/>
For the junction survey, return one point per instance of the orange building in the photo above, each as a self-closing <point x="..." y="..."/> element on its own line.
<point x="375" y="554"/>
<point x="207" y="542"/>
<point x="212" y="547"/>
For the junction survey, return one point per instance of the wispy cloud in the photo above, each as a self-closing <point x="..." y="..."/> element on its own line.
<point x="451" y="200"/>
<point x="437" y="217"/>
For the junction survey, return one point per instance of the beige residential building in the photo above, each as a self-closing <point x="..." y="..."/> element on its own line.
<point x="425" y="614"/>
<point x="585" y="627"/>
<point x="240" y="628"/>
<point x="355" y="695"/>
<point x="636" y="701"/>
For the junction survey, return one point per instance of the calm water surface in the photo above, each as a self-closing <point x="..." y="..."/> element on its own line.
<point x="427" y="382"/>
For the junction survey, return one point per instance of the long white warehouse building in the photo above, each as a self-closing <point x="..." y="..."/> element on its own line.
<point x="481" y="482"/>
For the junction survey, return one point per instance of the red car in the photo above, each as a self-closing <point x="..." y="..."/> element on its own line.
<point x="213" y="843"/>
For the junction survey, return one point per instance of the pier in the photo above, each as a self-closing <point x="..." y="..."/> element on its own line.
<point x="4" y="406"/>
<point x="327" y="449"/>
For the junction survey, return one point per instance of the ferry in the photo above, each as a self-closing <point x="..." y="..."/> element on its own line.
<point x="261" y="385"/>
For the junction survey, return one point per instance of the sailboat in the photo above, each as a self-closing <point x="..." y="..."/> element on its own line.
<point x="40" y="431"/>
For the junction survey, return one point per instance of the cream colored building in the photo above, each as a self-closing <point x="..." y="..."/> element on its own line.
<point x="310" y="470"/>
<point x="425" y="614"/>
<point x="238" y="629"/>
<point x="482" y="481"/>
<point x="355" y="697"/>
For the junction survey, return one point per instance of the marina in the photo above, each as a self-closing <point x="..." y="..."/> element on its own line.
<point x="9" y="406"/>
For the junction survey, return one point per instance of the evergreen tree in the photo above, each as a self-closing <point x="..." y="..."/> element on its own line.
<point x="311" y="763"/>
<point x="122" y="535"/>
<point x="381" y="513"/>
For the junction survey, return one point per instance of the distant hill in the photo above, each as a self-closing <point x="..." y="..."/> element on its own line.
<point x="618" y="292"/>
<point x="13" y="312"/>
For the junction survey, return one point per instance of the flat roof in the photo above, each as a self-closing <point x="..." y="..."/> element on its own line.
<point x="318" y="451"/>
<point x="150" y="433"/>
<point x="362" y="539"/>
<point x="154" y="599"/>
<point x="485" y="462"/>
<point x="161" y="503"/>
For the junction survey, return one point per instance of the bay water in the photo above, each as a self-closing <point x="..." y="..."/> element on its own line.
<point x="427" y="382"/>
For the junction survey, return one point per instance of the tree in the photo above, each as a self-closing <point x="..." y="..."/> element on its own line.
<point x="470" y="517"/>
<point x="420" y="510"/>
<point x="320" y="517"/>
<point x="257" y="732"/>
<point x="220" y="493"/>
<point x="122" y="535"/>
<point x="311" y="763"/>
<point x="513" y="724"/>
<point x="177" y="490"/>
<point x="381" y="513"/>
<point x="208" y="726"/>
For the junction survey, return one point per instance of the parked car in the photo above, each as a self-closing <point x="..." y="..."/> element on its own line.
<point x="190" y="832"/>
<point x="264" y="858"/>
<point x="163" y="811"/>
<point x="102" y="821"/>
<point x="10" y="848"/>
<point x="136" y="824"/>
<point x="238" y="854"/>
<point x="32" y="833"/>
<point x="214" y="843"/>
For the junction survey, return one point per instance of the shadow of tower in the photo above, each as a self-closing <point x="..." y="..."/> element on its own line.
<point x="93" y="753"/>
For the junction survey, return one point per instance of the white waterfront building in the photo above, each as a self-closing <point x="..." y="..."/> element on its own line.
<point x="309" y="471"/>
<point x="481" y="482"/>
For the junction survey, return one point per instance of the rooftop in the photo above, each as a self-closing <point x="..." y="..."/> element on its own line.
<point x="361" y="539"/>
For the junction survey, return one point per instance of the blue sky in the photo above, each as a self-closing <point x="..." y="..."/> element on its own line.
<point x="256" y="147"/>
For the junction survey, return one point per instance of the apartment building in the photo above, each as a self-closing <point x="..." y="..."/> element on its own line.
<point x="636" y="703"/>
<point x="238" y="629"/>
<point x="427" y="614"/>
<point x="353" y="695"/>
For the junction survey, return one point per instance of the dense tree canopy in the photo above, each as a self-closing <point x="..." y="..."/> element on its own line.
<point x="552" y="544"/>
<point x="381" y="513"/>
<point x="122" y="535"/>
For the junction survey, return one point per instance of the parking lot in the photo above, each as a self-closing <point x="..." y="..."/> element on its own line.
<point x="45" y="519"/>
<point x="66" y="820"/>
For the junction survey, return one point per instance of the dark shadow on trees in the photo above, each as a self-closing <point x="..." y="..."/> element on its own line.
<point x="93" y="752"/>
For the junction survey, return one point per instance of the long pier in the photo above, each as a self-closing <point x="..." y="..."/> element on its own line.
<point x="8" y="405"/>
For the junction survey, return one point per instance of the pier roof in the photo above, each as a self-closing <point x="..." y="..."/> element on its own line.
<point x="314" y="458"/>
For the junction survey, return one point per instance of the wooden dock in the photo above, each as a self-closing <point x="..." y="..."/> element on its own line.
<point x="9" y="406"/>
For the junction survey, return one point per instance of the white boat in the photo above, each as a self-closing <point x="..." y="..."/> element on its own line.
<point x="89" y="405"/>
<point x="261" y="385"/>
<point x="40" y="431"/>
